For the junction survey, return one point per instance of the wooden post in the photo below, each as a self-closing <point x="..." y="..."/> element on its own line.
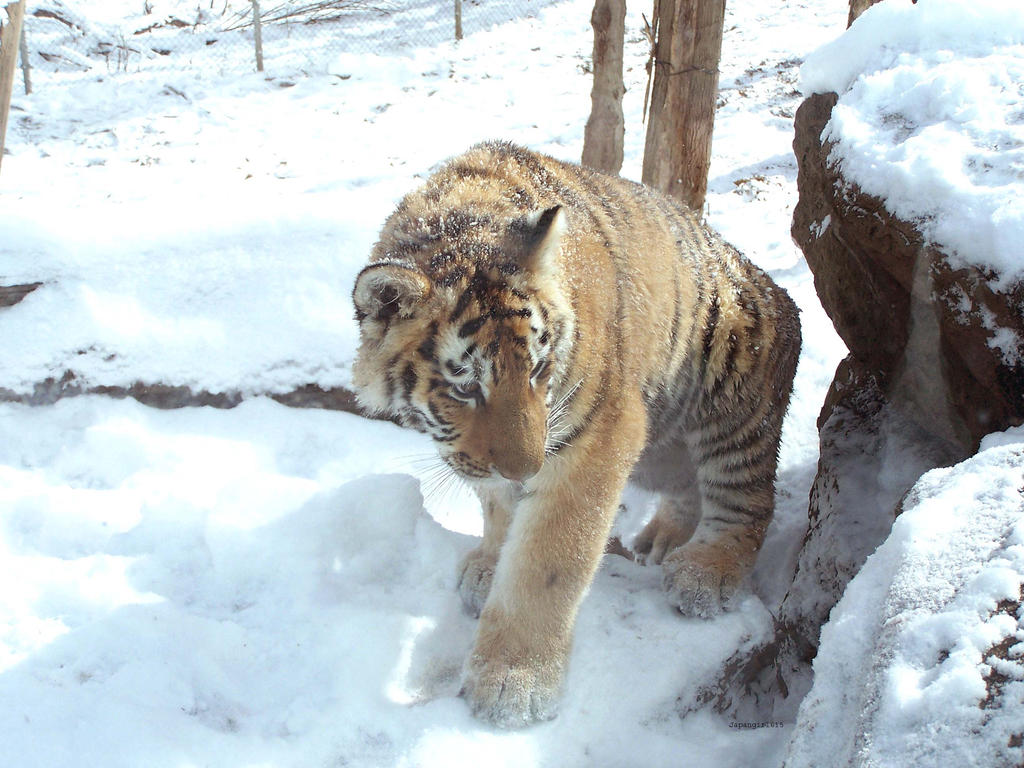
<point x="9" y="37"/>
<point x="677" y="152"/>
<point x="25" y="65"/>
<point x="458" y="19"/>
<point x="605" y="132"/>
<point x="257" y="30"/>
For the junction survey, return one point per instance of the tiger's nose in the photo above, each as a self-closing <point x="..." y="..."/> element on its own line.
<point x="518" y="469"/>
<point x="514" y="475"/>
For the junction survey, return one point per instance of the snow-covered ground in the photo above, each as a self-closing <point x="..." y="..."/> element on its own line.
<point x="261" y="586"/>
<point x="270" y="586"/>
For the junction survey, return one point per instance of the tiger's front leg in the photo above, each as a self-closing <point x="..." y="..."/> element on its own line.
<point x="554" y="544"/>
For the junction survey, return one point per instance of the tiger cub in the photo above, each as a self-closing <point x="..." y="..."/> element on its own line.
<point x="558" y="332"/>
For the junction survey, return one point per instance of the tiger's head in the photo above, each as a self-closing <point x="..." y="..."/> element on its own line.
<point x="464" y="335"/>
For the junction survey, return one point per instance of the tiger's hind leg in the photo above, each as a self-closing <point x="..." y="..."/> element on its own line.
<point x="702" y="576"/>
<point x="736" y="476"/>
<point x="733" y="438"/>
<point x="667" y="469"/>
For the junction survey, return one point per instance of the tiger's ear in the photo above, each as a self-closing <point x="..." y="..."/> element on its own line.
<point x="539" y="236"/>
<point x="385" y="290"/>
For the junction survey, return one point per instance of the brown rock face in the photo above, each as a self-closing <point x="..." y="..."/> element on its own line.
<point x="948" y="346"/>
<point x="936" y="362"/>
<point x="984" y="367"/>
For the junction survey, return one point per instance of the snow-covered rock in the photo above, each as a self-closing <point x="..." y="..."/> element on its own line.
<point x="909" y="150"/>
<point x="944" y="335"/>
<point x="922" y="661"/>
<point x="928" y="120"/>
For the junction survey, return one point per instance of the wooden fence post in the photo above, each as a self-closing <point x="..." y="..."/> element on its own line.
<point x="458" y="19"/>
<point x="257" y="30"/>
<point x="9" y="38"/>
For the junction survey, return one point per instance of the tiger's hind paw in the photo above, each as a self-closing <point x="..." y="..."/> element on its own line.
<point x="699" y="588"/>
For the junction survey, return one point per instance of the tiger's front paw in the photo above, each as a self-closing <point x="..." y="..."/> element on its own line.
<point x="476" y="572"/>
<point x="701" y="582"/>
<point x="510" y="695"/>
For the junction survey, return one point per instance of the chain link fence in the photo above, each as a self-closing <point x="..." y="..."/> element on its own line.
<point x="228" y="36"/>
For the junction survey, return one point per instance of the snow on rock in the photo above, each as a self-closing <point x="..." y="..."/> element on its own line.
<point x="920" y="663"/>
<point x="943" y="340"/>
<point x="930" y="119"/>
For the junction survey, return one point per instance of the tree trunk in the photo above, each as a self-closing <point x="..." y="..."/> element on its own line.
<point x="605" y="132"/>
<point x="9" y="38"/>
<point x="677" y="153"/>
<point x="257" y="31"/>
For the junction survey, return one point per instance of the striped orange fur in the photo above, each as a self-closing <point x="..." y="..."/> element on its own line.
<point x="558" y="332"/>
